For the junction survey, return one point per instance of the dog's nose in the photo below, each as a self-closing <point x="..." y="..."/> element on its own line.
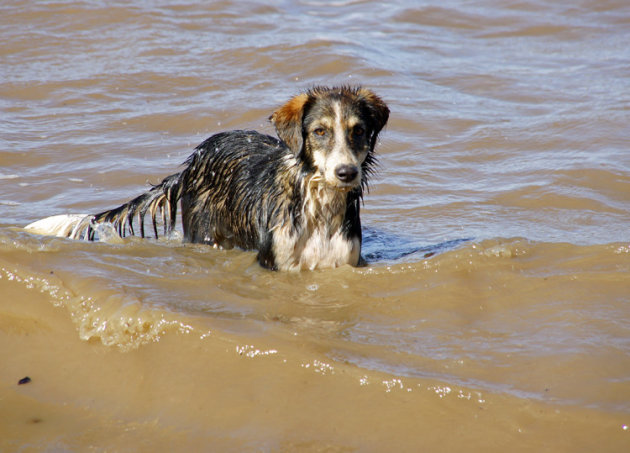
<point x="346" y="173"/>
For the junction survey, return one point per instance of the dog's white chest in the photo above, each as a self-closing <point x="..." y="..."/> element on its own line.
<point x="321" y="251"/>
<point x="318" y="250"/>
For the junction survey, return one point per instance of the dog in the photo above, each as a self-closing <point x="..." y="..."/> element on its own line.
<point x="294" y="199"/>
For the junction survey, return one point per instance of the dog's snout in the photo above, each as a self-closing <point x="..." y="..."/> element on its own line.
<point x="346" y="173"/>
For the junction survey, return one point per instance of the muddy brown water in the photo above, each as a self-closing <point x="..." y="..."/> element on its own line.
<point x="494" y="315"/>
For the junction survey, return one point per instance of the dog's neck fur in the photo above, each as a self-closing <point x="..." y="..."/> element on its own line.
<point x="315" y="238"/>
<point x="323" y="207"/>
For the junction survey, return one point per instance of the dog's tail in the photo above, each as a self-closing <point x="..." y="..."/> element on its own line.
<point x="160" y="202"/>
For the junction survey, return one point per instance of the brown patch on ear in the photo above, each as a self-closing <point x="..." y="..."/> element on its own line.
<point x="288" y="122"/>
<point x="378" y="109"/>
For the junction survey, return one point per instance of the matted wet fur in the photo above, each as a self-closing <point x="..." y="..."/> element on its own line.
<point x="295" y="200"/>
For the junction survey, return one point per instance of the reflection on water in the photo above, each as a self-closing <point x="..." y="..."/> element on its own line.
<point x="493" y="311"/>
<point x="380" y="247"/>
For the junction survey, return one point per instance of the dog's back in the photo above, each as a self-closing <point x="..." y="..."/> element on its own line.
<point x="295" y="200"/>
<point x="229" y="189"/>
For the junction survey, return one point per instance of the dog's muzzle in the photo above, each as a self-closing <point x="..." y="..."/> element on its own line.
<point x="346" y="173"/>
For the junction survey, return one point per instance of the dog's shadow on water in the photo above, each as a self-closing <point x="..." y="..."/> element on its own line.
<point x="380" y="246"/>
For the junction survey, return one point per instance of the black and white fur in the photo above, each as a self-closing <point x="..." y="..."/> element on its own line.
<point x="295" y="200"/>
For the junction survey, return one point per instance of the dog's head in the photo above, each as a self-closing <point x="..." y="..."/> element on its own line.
<point x="334" y="131"/>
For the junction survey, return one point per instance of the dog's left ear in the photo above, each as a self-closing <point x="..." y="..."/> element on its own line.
<point x="378" y="111"/>
<point x="288" y="122"/>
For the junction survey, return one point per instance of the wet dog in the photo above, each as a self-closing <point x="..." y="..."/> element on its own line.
<point x="295" y="200"/>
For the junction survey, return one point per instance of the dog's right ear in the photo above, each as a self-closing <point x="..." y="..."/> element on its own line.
<point x="288" y="122"/>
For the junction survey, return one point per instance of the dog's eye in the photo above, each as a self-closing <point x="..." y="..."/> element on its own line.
<point x="320" y="131"/>
<point x="358" y="131"/>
